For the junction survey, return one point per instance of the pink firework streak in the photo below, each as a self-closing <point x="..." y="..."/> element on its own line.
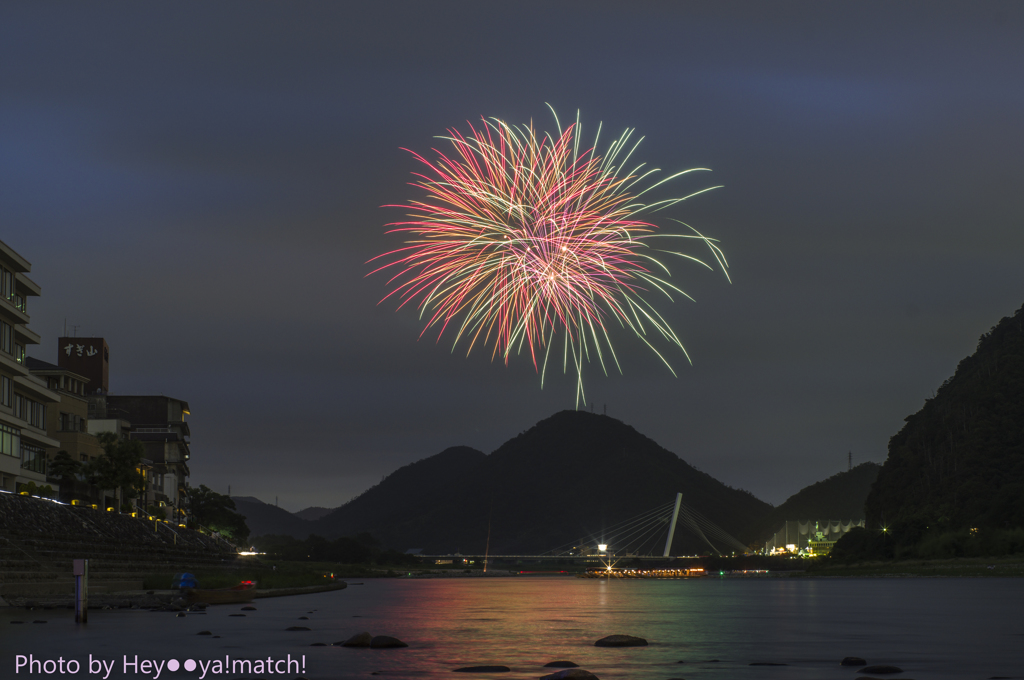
<point x="523" y="237"/>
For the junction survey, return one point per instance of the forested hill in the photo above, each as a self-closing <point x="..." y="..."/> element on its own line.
<point x="840" y="497"/>
<point x="263" y="518"/>
<point x="414" y="502"/>
<point x="959" y="461"/>
<point x="568" y="477"/>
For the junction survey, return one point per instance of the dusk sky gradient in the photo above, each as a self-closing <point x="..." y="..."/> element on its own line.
<point x="201" y="184"/>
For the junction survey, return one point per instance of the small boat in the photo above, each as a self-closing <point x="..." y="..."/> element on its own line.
<point x="240" y="594"/>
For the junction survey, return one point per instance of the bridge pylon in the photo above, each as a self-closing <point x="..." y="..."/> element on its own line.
<point x="672" y="526"/>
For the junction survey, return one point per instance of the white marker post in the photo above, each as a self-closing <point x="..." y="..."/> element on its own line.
<point x="81" y="570"/>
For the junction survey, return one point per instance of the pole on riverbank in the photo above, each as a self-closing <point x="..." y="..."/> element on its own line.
<point x="672" y="526"/>
<point x="487" y="547"/>
<point x="81" y="570"/>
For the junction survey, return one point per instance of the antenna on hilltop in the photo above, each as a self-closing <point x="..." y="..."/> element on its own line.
<point x="606" y="409"/>
<point x="849" y="461"/>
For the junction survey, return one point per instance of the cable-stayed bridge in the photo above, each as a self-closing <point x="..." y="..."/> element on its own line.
<point x="646" y="533"/>
<point x="647" y="536"/>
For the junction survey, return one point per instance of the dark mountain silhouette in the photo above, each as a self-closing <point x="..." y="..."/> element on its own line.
<point x="263" y="518"/>
<point x="568" y="477"/>
<point x="312" y="513"/>
<point x="959" y="461"/>
<point x="405" y="506"/>
<point x="840" y="497"/>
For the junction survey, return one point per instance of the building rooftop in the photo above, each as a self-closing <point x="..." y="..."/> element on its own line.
<point x="44" y="367"/>
<point x="34" y="364"/>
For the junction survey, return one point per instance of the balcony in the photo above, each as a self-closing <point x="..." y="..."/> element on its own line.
<point x="9" y="310"/>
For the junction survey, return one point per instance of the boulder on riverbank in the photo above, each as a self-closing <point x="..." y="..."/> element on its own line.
<point x="621" y="641"/>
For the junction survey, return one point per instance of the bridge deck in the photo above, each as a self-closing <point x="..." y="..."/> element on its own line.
<point x="593" y="558"/>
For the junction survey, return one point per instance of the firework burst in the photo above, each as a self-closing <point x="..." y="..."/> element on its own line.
<point x="527" y="243"/>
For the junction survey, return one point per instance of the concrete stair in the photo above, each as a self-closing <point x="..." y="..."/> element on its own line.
<point x="37" y="566"/>
<point x="39" y="540"/>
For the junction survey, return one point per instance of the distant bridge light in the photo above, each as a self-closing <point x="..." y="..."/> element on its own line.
<point x="603" y="547"/>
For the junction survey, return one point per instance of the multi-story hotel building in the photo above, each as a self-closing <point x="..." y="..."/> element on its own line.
<point x="68" y="421"/>
<point x="159" y="423"/>
<point x="25" y="400"/>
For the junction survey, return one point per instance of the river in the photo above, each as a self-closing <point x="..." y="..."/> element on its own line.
<point x="716" y="627"/>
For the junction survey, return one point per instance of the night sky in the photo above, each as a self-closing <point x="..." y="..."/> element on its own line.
<point x="201" y="184"/>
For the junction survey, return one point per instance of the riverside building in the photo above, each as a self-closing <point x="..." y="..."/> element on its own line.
<point x="68" y="421"/>
<point x="25" y="400"/>
<point x="156" y="421"/>
<point x="159" y="423"/>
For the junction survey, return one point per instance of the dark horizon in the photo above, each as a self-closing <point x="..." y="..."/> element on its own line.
<point x="202" y="187"/>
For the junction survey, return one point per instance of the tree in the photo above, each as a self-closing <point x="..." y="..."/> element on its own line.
<point x="119" y="466"/>
<point x="208" y="508"/>
<point x="65" y="469"/>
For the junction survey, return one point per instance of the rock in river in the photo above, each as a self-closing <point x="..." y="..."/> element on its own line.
<point x="386" y="642"/>
<point x="853" y="661"/>
<point x="483" y="669"/>
<point x="571" y="674"/>
<point x="880" y="670"/>
<point x="561" y="664"/>
<point x="621" y="641"/>
<point x="357" y="640"/>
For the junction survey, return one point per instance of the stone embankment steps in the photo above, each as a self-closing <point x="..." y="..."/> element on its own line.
<point x="39" y="541"/>
<point x="112" y="566"/>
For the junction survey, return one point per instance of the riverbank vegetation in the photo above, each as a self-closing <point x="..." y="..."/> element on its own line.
<point x="361" y="549"/>
<point x="966" y="567"/>
<point x="272" y="574"/>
